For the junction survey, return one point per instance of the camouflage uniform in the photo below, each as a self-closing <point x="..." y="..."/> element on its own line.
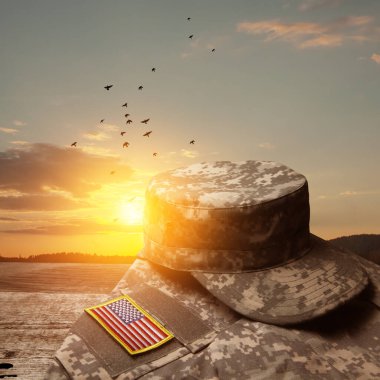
<point x="230" y="268"/>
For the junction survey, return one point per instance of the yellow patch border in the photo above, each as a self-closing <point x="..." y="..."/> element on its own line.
<point x="155" y="322"/>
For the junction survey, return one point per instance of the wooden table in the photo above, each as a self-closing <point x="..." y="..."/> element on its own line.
<point x="38" y="304"/>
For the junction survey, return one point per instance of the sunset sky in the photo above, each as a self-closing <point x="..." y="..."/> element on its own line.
<point x="294" y="81"/>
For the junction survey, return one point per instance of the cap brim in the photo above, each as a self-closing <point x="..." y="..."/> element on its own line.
<point x="301" y="290"/>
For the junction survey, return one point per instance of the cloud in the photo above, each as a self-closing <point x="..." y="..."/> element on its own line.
<point x="310" y="34"/>
<point x="324" y="40"/>
<point x="266" y="145"/>
<point x="274" y="29"/>
<point x="376" y="58"/>
<point x="348" y="193"/>
<point x="41" y="202"/>
<point x="49" y="177"/>
<point x="109" y="127"/>
<point x="99" y="151"/>
<point x="309" y="5"/>
<point x="96" y="136"/>
<point x="359" y="38"/>
<point x="8" y="130"/>
<point x="76" y="227"/>
<point x="352" y="21"/>
<point x="20" y="142"/>
<point x="185" y="55"/>
<point x="9" y="219"/>
<point x="189" y="153"/>
<point x="19" y="123"/>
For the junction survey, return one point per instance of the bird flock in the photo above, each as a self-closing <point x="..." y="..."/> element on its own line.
<point x="129" y="121"/>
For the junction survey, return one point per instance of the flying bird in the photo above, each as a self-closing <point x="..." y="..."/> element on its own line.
<point x="145" y="121"/>
<point x="189" y="18"/>
<point x="155" y="154"/>
<point x="102" y="121"/>
<point x="153" y="69"/>
<point x="127" y="114"/>
<point x="129" y="121"/>
<point x="126" y="144"/>
<point x="125" y="105"/>
<point x="123" y="133"/>
<point x="74" y="143"/>
<point x="108" y="86"/>
<point x="147" y="133"/>
<point x="213" y="50"/>
<point x="192" y="142"/>
<point x="191" y="36"/>
<point x="141" y="87"/>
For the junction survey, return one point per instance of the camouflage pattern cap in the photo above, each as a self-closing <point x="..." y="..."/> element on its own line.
<point x="242" y="230"/>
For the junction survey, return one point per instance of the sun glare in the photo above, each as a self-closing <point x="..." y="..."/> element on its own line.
<point x="131" y="213"/>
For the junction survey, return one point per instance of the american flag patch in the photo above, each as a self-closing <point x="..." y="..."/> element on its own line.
<point x="130" y="325"/>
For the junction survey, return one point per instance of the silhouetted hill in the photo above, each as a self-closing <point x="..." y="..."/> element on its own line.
<point x="71" y="257"/>
<point x="367" y="246"/>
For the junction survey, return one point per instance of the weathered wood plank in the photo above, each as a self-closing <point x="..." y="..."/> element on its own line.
<point x="64" y="278"/>
<point x="34" y="323"/>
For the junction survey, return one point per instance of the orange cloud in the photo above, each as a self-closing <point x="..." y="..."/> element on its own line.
<point x="19" y="123"/>
<point x="309" y="34"/>
<point x="376" y="58"/>
<point x="8" y="130"/>
<point x="20" y="142"/>
<point x="324" y="40"/>
<point x="278" y="30"/>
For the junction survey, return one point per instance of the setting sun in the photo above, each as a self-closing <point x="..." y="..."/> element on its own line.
<point x="131" y="212"/>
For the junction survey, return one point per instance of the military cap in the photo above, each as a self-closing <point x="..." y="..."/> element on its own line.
<point x="242" y="230"/>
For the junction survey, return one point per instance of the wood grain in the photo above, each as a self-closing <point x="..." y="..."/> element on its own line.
<point x="57" y="277"/>
<point x="38" y="305"/>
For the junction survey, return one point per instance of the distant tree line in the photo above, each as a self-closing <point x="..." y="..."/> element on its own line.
<point x="71" y="257"/>
<point x="366" y="245"/>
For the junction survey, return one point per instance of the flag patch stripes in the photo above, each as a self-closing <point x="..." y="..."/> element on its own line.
<point x="130" y="324"/>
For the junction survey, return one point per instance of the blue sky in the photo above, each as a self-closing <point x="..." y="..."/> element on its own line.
<point x="294" y="81"/>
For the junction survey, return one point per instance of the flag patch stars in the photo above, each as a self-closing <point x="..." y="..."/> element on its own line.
<point x="130" y="325"/>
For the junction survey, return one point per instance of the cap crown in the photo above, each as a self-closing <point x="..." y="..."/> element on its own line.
<point x="226" y="216"/>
